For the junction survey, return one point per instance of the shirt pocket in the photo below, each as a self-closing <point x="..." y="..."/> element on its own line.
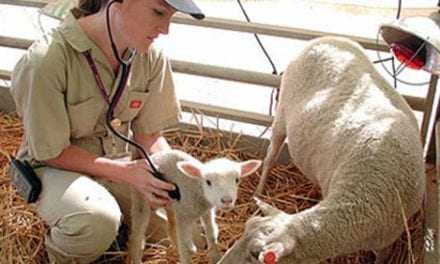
<point x="84" y="117"/>
<point x="134" y="103"/>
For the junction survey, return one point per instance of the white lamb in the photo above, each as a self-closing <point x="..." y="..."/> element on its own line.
<point x="203" y="187"/>
<point x="350" y="132"/>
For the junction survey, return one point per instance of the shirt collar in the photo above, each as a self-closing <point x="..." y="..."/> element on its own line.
<point x="75" y="35"/>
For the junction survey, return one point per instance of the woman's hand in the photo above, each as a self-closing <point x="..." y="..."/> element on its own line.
<point x="154" y="191"/>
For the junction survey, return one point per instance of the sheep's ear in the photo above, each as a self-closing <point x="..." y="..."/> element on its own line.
<point x="249" y="167"/>
<point x="267" y="209"/>
<point x="189" y="169"/>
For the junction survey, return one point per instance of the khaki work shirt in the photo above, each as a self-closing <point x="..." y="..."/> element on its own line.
<point x="57" y="96"/>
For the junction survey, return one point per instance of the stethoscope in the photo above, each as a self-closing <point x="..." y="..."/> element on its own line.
<point x="125" y="64"/>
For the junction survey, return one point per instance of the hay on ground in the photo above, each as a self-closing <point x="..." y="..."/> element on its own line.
<point x="22" y="231"/>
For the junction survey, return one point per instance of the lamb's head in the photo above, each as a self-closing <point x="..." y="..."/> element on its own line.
<point x="219" y="178"/>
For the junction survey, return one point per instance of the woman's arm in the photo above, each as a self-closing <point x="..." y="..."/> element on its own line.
<point x="133" y="172"/>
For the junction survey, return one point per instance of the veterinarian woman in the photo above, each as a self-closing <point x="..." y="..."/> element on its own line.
<point x="62" y="88"/>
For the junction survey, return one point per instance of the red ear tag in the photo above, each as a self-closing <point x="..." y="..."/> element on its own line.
<point x="135" y="104"/>
<point x="270" y="258"/>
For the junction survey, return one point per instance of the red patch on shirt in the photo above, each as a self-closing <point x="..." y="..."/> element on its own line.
<point x="135" y="104"/>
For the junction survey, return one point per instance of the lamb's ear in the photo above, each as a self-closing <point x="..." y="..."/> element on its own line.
<point x="249" y="167"/>
<point x="189" y="169"/>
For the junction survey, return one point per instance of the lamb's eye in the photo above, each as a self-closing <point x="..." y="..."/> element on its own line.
<point x="208" y="182"/>
<point x="237" y="180"/>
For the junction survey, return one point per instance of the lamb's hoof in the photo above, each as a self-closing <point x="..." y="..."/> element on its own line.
<point x="192" y="248"/>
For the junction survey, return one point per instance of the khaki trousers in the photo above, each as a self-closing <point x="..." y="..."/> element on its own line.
<point x="83" y="215"/>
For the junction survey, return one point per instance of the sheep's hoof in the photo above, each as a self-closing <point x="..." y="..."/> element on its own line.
<point x="383" y="255"/>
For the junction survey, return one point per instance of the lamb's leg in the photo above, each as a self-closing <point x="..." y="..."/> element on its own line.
<point x="274" y="150"/>
<point x="171" y="218"/>
<point x="185" y="245"/>
<point x="211" y="230"/>
<point x="140" y="216"/>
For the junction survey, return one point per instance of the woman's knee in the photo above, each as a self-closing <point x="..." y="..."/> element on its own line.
<point x="85" y="233"/>
<point x="83" y="216"/>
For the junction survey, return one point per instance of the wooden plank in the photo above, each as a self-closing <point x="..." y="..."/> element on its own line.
<point x="250" y="143"/>
<point x="25" y="3"/>
<point x="241" y="26"/>
<point x="5" y="75"/>
<point x="16" y="43"/>
<point x="226" y="113"/>
<point x="230" y="74"/>
<point x="274" y="30"/>
<point x="416" y="103"/>
<point x="7" y="104"/>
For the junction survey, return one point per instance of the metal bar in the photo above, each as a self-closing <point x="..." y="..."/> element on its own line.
<point x="432" y="221"/>
<point x="429" y="104"/>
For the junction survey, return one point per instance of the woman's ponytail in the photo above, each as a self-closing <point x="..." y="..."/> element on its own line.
<point x="88" y="7"/>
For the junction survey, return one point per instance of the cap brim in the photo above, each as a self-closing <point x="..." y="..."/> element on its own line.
<point x="187" y="7"/>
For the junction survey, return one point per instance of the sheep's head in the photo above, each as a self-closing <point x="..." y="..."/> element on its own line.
<point x="219" y="178"/>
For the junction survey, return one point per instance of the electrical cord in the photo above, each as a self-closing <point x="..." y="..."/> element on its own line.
<point x="274" y="70"/>
<point x="399" y="8"/>
<point x="275" y="91"/>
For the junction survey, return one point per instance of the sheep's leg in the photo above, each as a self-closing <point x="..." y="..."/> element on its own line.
<point x="274" y="150"/>
<point x="237" y="253"/>
<point x="185" y="245"/>
<point x="211" y="230"/>
<point x="140" y="216"/>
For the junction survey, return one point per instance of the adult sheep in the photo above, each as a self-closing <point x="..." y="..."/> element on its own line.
<point x="351" y="133"/>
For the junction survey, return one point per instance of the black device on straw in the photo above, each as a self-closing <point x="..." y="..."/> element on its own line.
<point x="24" y="179"/>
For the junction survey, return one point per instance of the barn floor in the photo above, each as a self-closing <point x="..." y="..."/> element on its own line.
<point x="22" y="231"/>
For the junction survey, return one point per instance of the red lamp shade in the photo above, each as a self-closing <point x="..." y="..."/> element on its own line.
<point x="412" y="58"/>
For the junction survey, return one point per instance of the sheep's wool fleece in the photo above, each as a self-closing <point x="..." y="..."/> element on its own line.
<point x="349" y="131"/>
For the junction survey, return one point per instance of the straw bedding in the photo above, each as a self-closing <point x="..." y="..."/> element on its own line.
<point x="22" y="231"/>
